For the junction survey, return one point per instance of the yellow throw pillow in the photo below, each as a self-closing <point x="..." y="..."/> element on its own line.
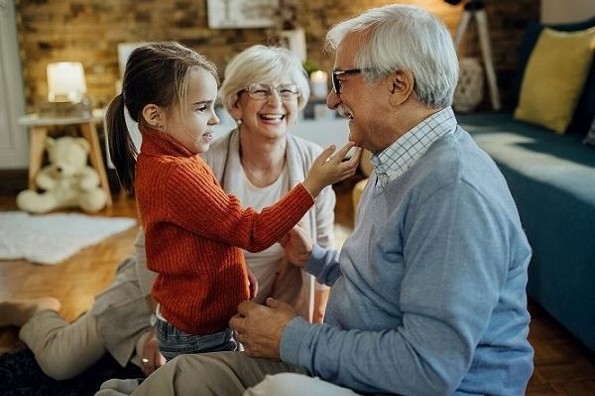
<point x="555" y="77"/>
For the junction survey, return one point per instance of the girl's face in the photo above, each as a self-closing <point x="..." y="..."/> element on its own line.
<point x="270" y="116"/>
<point x="191" y="123"/>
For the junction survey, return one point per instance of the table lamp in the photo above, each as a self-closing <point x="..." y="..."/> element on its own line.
<point x="66" y="82"/>
<point x="67" y="91"/>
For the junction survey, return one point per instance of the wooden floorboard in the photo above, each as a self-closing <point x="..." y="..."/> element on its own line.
<point x="562" y="365"/>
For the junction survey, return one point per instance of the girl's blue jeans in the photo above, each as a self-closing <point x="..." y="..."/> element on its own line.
<point x="173" y="342"/>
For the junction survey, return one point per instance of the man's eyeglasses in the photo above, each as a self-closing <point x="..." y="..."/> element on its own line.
<point x="336" y="78"/>
<point x="287" y="92"/>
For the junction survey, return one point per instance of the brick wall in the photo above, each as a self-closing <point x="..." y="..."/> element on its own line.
<point x="89" y="31"/>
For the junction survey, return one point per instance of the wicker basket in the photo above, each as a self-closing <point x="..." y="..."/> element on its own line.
<point x="469" y="91"/>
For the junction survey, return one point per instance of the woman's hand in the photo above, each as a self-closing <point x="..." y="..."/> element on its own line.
<point x="297" y="245"/>
<point x="330" y="167"/>
<point x="320" y="300"/>
<point x="253" y="283"/>
<point x="147" y="350"/>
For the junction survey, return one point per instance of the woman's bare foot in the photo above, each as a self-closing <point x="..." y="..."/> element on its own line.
<point x="18" y="312"/>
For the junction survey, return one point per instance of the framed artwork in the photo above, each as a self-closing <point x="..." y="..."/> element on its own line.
<point x="124" y="51"/>
<point x="295" y="41"/>
<point x="232" y="14"/>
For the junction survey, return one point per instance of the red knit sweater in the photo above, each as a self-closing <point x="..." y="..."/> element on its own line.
<point x="195" y="234"/>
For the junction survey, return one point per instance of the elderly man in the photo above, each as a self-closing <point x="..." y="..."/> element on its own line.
<point x="428" y="293"/>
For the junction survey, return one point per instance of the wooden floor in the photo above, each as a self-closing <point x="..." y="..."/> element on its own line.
<point x="562" y="366"/>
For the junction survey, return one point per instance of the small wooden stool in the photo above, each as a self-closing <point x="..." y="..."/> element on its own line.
<point x="39" y="131"/>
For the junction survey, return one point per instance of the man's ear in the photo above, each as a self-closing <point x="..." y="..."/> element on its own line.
<point x="401" y="85"/>
<point x="154" y="116"/>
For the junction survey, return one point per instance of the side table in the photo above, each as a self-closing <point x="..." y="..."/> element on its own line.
<point x="40" y="126"/>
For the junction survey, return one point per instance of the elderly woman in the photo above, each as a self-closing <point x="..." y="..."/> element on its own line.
<point x="264" y="88"/>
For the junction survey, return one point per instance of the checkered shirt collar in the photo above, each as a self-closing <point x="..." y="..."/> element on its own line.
<point x="402" y="154"/>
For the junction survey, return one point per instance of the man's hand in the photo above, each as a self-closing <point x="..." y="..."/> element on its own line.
<point x="260" y="327"/>
<point x="297" y="245"/>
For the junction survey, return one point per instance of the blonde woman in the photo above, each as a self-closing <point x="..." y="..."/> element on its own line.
<point x="263" y="89"/>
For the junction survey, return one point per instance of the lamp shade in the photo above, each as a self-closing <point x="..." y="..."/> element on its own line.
<point x="66" y="82"/>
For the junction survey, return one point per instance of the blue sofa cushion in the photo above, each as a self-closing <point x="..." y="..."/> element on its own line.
<point x="560" y="161"/>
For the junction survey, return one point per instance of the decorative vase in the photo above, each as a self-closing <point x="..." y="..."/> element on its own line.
<point x="469" y="91"/>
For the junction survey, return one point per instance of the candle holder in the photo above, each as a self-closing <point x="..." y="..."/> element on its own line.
<point x="319" y="84"/>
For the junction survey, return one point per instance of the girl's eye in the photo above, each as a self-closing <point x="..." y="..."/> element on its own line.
<point x="202" y="109"/>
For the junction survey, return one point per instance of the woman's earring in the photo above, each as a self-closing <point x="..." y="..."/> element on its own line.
<point x="239" y="121"/>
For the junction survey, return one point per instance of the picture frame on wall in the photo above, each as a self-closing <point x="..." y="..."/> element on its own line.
<point x="295" y="41"/>
<point x="233" y="14"/>
<point x="124" y="51"/>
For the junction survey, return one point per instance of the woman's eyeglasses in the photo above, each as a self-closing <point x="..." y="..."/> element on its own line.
<point x="287" y="92"/>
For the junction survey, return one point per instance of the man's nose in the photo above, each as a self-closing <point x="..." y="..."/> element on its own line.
<point x="333" y="100"/>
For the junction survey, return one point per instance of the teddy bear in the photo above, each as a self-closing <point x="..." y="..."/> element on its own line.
<point x="67" y="181"/>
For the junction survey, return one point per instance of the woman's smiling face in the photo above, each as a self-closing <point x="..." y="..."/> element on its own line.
<point x="271" y="116"/>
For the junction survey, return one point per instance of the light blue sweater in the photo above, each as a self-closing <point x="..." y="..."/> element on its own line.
<point x="428" y="293"/>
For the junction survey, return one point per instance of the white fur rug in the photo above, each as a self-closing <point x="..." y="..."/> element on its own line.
<point x="52" y="238"/>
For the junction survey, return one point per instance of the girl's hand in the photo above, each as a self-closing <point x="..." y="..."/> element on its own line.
<point x="329" y="167"/>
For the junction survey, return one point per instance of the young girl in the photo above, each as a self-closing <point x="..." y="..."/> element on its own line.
<point x="195" y="233"/>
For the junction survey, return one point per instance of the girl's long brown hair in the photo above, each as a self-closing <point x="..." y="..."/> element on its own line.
<point x="156" y="73"/>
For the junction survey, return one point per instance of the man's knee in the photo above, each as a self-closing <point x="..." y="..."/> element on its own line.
<point x="192" y="374"/>
<point x="217" y="373"/>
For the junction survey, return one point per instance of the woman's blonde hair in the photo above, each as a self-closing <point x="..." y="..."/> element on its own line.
<point x="260" y="63"/>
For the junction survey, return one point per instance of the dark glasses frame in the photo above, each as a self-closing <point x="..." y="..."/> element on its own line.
<point x="337" y="73"/>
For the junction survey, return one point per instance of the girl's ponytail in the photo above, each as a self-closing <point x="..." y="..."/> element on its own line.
<point x="121" y="147"/>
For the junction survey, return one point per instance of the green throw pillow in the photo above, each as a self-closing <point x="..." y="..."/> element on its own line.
<point x="554" y="78"/>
